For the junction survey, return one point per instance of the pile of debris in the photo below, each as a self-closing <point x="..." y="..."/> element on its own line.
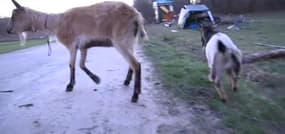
<point x="235" y="22"/>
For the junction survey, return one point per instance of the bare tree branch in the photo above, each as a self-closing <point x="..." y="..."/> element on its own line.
<point x="273" y="54"/>
<point x="269" y="45"/>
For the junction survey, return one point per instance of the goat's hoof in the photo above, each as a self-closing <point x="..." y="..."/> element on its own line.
<point x="135" y="98"/>
<point x="126" y="83"/>
<point x="96" y="79"/>
<point x="235" y="89"/>
<point x="69" y="88"/>
<point x="223" y="100"/>
<point x="210" y="78"/>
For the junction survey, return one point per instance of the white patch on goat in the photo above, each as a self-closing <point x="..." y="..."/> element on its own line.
<point x="212" y="47"/>
<point x="82" y="40"/>
<point x="23" y="38"/>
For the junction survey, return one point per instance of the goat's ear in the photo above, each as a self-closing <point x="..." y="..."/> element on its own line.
<point x="18" y="6"/>
<point x="201" y="28"/>
<point x="202" y="24"/>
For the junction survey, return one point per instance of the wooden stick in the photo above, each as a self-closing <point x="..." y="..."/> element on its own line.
<point x="7" y="91"/>
<point x="269" y="45"/>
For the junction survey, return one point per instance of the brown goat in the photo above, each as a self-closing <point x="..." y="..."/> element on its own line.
<point x="103" y="24"/>
<point x="222" y="56"/>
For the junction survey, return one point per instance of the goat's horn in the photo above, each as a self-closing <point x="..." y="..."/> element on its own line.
<point x="17" y="4"/>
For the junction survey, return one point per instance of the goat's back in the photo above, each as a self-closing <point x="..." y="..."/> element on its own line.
<point x="212" y="49"/>
<point x="101" y="20"/>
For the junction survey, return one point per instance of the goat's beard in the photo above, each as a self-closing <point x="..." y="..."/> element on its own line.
<point x="23" y="38"/>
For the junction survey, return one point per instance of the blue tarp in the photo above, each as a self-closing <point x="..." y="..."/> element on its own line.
<point x="196" y="7"/>
<point x="166" y="2"/>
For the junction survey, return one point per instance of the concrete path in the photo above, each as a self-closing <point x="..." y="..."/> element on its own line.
<point x="40" y="105"/>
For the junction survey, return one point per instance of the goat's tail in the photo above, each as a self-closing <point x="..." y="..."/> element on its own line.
<point x="139" y="30"/>
<point x="221" y="47"/>
<point x="235" y="57"/>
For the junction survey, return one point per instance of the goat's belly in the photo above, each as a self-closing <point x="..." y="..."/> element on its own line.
<point x="98" y="43"/>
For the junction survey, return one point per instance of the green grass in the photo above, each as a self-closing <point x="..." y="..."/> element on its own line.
<point x="15" y="45"/>
<point x="259" y="106"/>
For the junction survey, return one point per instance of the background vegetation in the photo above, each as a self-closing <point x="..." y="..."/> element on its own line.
<point x="259" y="105"/>
<point x="217" y="6"/>
<point x="14" y="45"/>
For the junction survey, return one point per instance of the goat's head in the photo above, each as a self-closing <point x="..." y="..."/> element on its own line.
<point x="20" y="20"/>
<point x="207" y="31"/>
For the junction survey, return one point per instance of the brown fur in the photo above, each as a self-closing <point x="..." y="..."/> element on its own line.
<point x="104" y="24"/>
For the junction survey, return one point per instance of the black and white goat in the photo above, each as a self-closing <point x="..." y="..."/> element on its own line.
<point x="222" y="56"/>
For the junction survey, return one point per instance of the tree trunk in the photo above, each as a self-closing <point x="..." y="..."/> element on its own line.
<point x="273" y="54"/>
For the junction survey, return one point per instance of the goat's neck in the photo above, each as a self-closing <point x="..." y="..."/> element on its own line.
<point x="208" y="35"/>
<point x="52" y="21"/>
<point x="44" y="22"/>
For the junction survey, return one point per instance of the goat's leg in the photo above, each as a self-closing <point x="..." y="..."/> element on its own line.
<point x="137" y="86"/>
<point x="234" y="79"/>
<point x="130" y="71"/>
<point x="136" y="67"/>
<point x="129" y="77"/>
<point x="83" y="52"/>
<point x="216" y="73"/>
<point x="219" y="89"/>
<point x="212" y="75"/>
<point x="71" y="83"/>
<point x="221" y="92"/>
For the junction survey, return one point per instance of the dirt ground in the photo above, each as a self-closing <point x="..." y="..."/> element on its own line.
<point x="40" y="105"/>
